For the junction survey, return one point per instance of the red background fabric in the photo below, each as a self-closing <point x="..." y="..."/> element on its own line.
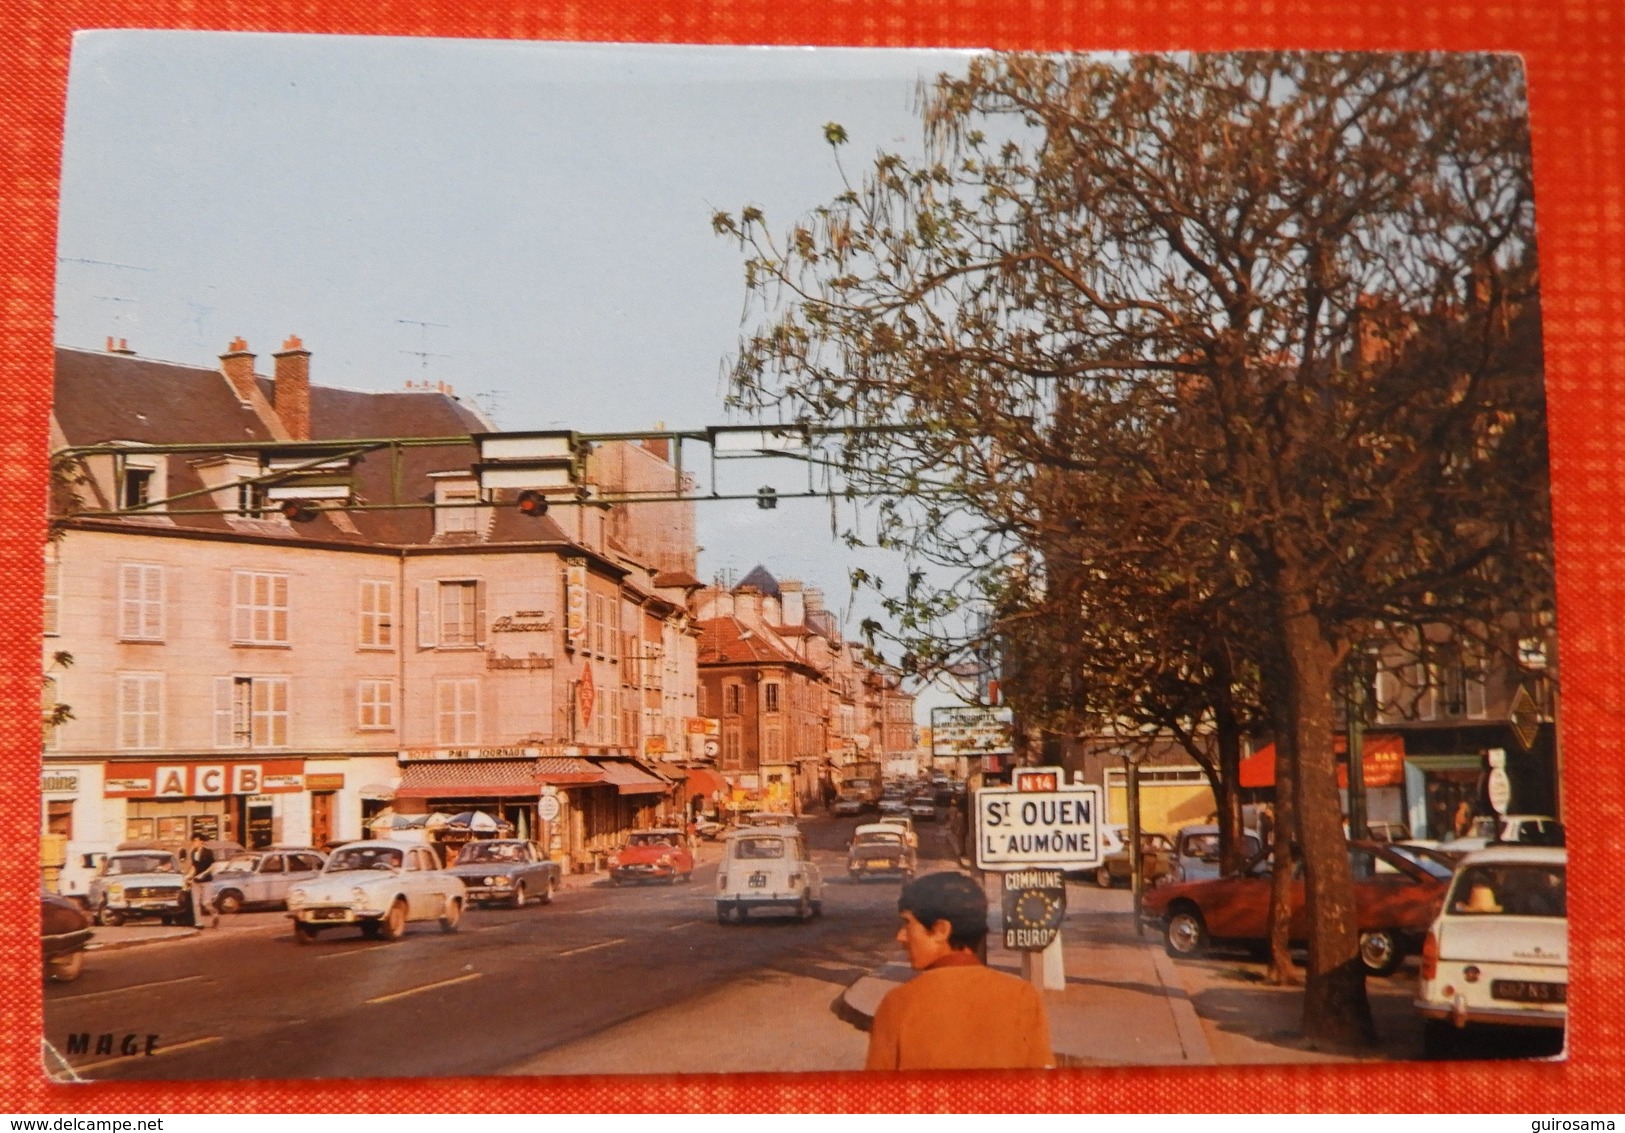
<point x="1574" y="51"/>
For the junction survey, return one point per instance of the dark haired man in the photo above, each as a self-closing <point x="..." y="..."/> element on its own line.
<point x="957" y="1014"/>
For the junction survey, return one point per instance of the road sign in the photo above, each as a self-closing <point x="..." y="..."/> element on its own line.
<point x="972" y="730"/>
<point x="1034" y="905"/>
<point x="1018" y="829"/>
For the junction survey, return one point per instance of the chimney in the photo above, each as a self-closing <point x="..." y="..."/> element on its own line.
<point x="121" y="346"/>
<point x="237" y="363"/>
<point x="748" y="605"/>
<point x="290" y="396"/>
<point x="790" y="600"/>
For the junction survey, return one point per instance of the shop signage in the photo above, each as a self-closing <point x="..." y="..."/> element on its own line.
<point x="59" y="783"/>
<point x="654" y="745"/>
<point x="586" y="694"/>
<point x="1024" y="829"/>
<point x="421" y="754"/>
<point x="495" y="660"/>
<point x="523" y="621"/>
<point x="1034" y="905"/>
<point x="1524" y="717"/>
<point x="1499" y="786"/>
<point x="972" y="730"/>
<point x="702" y="725"/>
<point x="547" y="807"/>
<point x="204" y="780"/>
<point x="575" y="599"/>
<point x="325" y="782"/>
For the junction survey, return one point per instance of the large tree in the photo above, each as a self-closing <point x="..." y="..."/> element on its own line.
<point x="1279" y="307"/>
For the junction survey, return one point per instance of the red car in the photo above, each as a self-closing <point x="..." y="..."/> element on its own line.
<point x="660" y="854"/>
<point x="1396" y="896"/>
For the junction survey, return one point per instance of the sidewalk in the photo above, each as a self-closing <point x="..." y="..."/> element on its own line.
<point x="1126" y="1003"/>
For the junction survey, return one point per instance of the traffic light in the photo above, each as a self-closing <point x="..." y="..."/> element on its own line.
<point x="767" y="499"/>
<point x="298" y="511"/>
<point x="532" y="503"/>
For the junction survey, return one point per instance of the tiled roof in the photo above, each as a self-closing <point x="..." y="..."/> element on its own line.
<point x="676" y="578"/>
<point x="725" y="641"/>
<point x="568" y="771"/>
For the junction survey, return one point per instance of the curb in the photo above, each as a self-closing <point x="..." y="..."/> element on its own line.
<point x="1187" y="1022"/>
<point x="136" y="942"/>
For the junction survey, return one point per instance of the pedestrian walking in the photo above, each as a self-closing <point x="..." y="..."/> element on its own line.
<point x="198" y="860"/>
<point x="957" y="1014"/>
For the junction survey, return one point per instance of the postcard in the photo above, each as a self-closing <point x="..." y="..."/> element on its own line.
<point x="889" y="560"/>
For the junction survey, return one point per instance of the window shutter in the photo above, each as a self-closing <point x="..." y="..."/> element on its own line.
<point x="479" y="614"/>
<point x="152" y="602"/>
<point x="223" y="728"/>
<point x="129" y="614"/>
<point x="426" y="615"/>
<point x="242" y="598"/>
<point x="1476" y="699"/>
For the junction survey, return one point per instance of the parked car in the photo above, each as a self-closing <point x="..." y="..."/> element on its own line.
<point x="64" y="932"/>
<point x="377" y="886"/>
<point x="879" y="848"/>
<point x="1156" y="861"/>
<point x="509" y="871"/>
<point x="1395" y="899"/>
<point x="765" y="867"/>
<point x="1497" y="954"/>
<point x="1196" y="851"/>
<point x="261" y="878"/>
<point x="1113" y="839"/>
<point x="140" y="881"/>
<point x="659" y="854"/>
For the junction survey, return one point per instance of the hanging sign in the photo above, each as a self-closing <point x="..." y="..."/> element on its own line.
<point x="586" y="694"/>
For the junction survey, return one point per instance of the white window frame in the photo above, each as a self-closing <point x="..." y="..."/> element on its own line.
<point x="460" y="520"/>
<point x="252" y="712"/>
<point x="432" y="627"/>
<point x="376" y="614"/>
<point x="375" y="704"/>
<point x="140" y="714"/>
<point x="457" y="711"/>
<point x="140" y="602"/>
<point x="260" y="613"/>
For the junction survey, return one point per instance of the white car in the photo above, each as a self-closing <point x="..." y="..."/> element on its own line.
<point x="377" y="886"/>
<point x="1497" y="953"/>
<point x="766" y="867"/>
<point x="1488" y="829"/>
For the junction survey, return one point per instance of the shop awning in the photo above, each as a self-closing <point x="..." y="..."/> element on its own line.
<point x="474" y="779"/>
<point x="704" y="781"/>
<point x="630" y="779"/>
<point x="1382" y="755"/>
<point x="568" y="771"/>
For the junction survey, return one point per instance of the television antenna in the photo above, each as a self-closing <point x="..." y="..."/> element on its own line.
<point x="423" y="352"/>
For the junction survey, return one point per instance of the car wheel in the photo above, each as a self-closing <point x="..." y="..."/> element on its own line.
<point x="518" y="899"/>
<point x="65" y="968"/>
<point x="229" y="901"/>
<point x="549" y="889"/>
<point x="1380" y="953"/>
<point x="394" y="924"/>
<point x="304" y="933"/>
<point x="722" y="914"/>
<point x="1187" y="934"/>
<point x="453" y="917"/>
<point x="370" y="929"/>
<point x="1440" y="1038"/>
<point x="1103" y="877"/>
<point x="112" y="918"/>
<point x="804" y="908"/>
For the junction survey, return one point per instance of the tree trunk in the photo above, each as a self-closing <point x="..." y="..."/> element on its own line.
<point x="1282" y="971"/>
<point x="1227" y="792"/>
<point x="1335" y="1008"/>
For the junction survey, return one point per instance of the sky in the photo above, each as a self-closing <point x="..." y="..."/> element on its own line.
<point x="528" y="223"/>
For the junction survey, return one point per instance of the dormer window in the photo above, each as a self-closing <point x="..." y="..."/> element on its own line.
<point x="135" y="487"/>
<point x="457" y="502"/>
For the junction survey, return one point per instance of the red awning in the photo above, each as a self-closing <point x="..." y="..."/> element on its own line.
<point x="568" y="771"/>
<point x="1382" y="755"/>
<point x="704" y="781"/>
<point x="630" y="779"/>
<point x="482" y="779"/>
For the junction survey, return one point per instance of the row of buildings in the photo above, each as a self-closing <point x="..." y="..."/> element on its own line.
<point x="247" y="641"/>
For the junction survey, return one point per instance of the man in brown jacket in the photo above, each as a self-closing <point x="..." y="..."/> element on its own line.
<point x="956" y="1014"/>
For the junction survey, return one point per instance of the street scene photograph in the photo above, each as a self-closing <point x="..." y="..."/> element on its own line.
<point x="575" y="559"/>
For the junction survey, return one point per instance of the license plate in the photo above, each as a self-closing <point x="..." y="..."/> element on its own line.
<point x="1529" y="991"/>
<point x="327" y="915"/>
<point x="758" y="881"/>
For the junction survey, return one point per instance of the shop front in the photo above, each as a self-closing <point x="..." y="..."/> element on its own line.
<point x="1383" y="765"/>
<point x="462" y="799"/>
<point x="256" y="803"/>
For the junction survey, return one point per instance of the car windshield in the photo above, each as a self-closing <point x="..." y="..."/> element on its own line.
<point x="236" y="865"/>
<point x="142" y="863"/>
<point x="364" y="857"/>
<point x="652" y="840"/>
<point x="885" y="838"/>
<point x="759" y="848"/>
<point x="1204" y="846"/>
<point x="1432" y="865"/>
<point x="491" y="852"/>
<point x="1524" y="889"/>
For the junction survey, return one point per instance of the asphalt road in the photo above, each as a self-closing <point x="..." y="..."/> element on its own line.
<point x="248" y="1002"/>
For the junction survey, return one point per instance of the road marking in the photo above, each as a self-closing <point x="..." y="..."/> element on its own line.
<point x="591" y="947"/>
<point x="425" y="987"/>
<point x="682" y="924"/>
<point x="123" y="990"/>
<point x="359" y="951"/>
<point x="83" y="1066"/>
